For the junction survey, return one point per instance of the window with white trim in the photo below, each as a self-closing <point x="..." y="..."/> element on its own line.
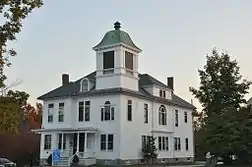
<point x="163" y="143"/>
<point x="84" y="85"/>
<point x="186" y="144"/>
<point x="177" y="144"/>
<point x="107" y="112"/>
<point x="47" y="142"/>
<point x="146" y="113"/>
<point x="176" y="118"/>
<point x="186" y="117"/>
<point x="162" y="115"/>
<point x="87" y="110"/>
<point x="50" y="112"/>
<point x="107" y="142"/>
<point x="61" y="112"/>
<point x="129" y="113"/>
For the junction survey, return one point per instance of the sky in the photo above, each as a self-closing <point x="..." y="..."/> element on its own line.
<point x="175" y="37"/>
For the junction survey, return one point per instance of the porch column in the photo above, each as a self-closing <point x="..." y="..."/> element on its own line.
<point x="78" y="141"/>
<point x="62" y="140"/>
<point x="85" y="143"/>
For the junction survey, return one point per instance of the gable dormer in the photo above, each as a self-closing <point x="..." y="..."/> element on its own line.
<point x="157" y="88"/>
<point x="84" y="85"/>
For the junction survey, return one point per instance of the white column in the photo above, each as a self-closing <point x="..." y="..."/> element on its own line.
<point x="85" y="142"/>
<point x="78" y="141"/>
<point x="62" y="140"/>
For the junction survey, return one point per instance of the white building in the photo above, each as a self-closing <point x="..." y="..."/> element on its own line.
<point x="106" y="116"/>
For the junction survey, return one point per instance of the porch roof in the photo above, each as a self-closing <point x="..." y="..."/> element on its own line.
<point x="69" y="130"/>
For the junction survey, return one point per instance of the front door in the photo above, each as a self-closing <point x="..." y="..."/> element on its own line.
<point x="74" y="143"/>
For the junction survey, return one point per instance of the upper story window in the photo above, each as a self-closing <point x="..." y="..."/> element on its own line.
<point x="84" y="115"/>
<point x="162" y="93"/>
<point x="61" y="112"/>
<point x="146" y="117"/>
<point x="84" y="85"/>
<point x="129" y="62"/>
<point x="50" y="112"/>
<point x="108" y="62"/>
<point x="107" y="112"/>
<point x="162" y="115"/>
<point x="129" y="110"/>
<point x="176" y="118"/>
<point x="185" y="114"/>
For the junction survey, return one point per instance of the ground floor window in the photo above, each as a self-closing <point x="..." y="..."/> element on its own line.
<point x="47" y="142"/>
<point x="107" y="142"/>
<point x="60" y="141"/>
<point x="186" y="144"/>
<point x="163" y="143"/>
<point x="145" y="141"/>
<point x="177" y="144"/>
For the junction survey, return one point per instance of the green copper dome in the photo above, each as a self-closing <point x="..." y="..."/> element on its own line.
<point x="115" y="37"/>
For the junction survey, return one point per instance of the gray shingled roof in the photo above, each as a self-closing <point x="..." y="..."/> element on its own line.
<point x="73" y="89"/>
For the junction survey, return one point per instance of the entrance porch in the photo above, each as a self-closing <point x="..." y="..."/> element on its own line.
<point x="82" y="142"/>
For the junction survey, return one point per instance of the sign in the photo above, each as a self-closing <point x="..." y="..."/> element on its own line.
<point x="55" y="156"/>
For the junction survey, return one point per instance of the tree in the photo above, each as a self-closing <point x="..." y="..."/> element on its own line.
<point x="11" y="111"/>
<point x="149" y="150"/>
<point x="13" y="12"/>
<point x="220" y="84"/>
<point x="221" y="94"/>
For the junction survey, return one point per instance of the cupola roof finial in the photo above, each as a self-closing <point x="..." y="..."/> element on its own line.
<point x="117" y="25"/>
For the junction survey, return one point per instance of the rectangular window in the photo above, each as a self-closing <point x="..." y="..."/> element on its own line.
<point x="164" y="94"/>
<point x="186" y="144"/>
<point x="176" y="118"/>
<point x="185" y="113"/>
<point x="144" y="141"/>
<point x="129" y="62"/>
<point x="87" y="110"/>
<point x="60" y="141"/>
<point x="103" y="142"/>
<point x="146" y="118"/>
<point x="129" y="110"/>
<point x="166" y="143"/>
<point x="177" y="144"/>
<point x="108" y="62"/>
<point x="47" y="142"/>
<point x="163" y="143"/>
<point x="159" y="142"/>
<point x="110" y="142"/>
<point x="160" y="93"/>
<point x="50" y="112"/>
<point x="61" y="112"/>
<point x="81" y="111"/>
<point x="107" y="113"/>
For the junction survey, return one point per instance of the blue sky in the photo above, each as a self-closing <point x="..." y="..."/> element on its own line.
<point x="175" y="37"/>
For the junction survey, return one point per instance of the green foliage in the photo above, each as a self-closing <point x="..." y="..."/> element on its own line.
<point x="225" y="126"/>
<point x="150" y="151"/>
<point x="220" y="84"/>
<point x="13" y="13"/>
<point x="11" y="111"/>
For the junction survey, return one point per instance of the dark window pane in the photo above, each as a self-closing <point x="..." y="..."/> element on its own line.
<point x="128" y="60"/>
<point x="110" y="142"/>
<point x="81" y="111"/>
<point x="108" y="60"/>
<point x="103" y="142"/>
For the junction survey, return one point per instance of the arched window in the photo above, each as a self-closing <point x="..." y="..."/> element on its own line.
<point x="162" y="115"/>
<point x="107" y="112"/>
<point x="84" y="85"/>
